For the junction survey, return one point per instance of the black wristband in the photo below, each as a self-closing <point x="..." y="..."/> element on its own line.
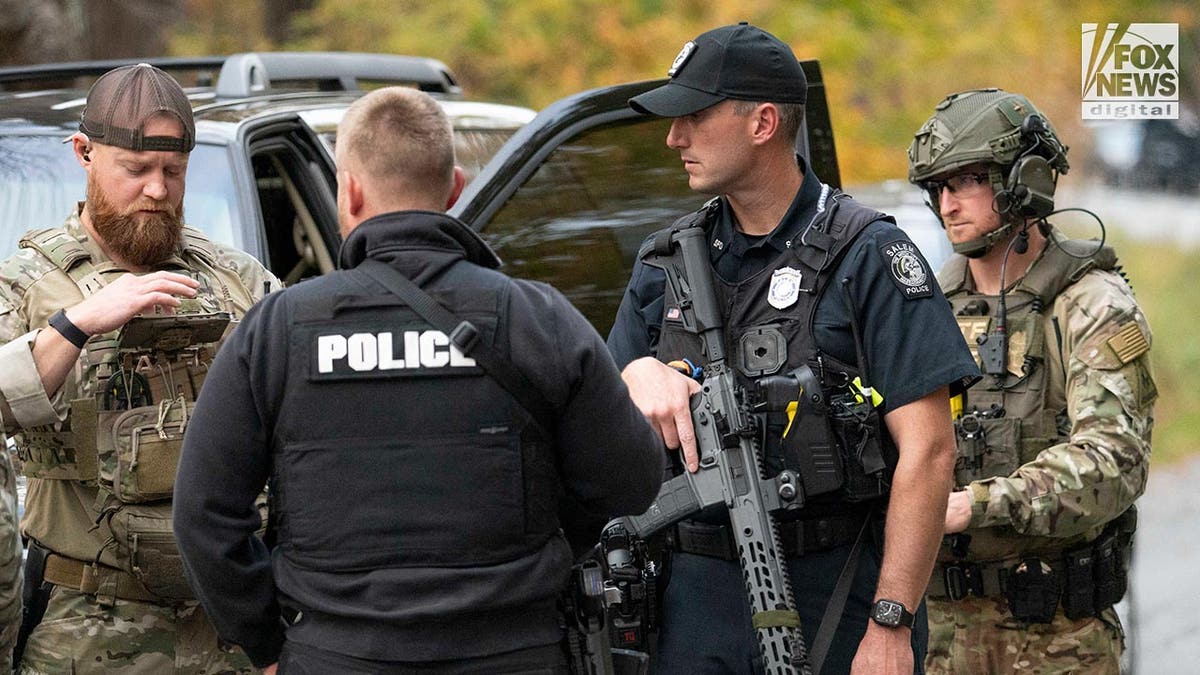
<point x="68" y="330"/>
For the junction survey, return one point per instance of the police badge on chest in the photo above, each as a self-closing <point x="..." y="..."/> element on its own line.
<point x="785" y="287"/>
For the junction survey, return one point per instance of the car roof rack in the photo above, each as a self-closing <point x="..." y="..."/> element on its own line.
<point x="255" y="73"/>
<point x="73" y="69"/>
<point x="248" y="74"/>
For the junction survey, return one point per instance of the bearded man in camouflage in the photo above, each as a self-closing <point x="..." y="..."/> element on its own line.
<point x="107" y="326"/>
<point x="1054" y="442"/>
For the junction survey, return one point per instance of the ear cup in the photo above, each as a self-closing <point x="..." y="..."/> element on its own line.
<point x="1031" y="187"/>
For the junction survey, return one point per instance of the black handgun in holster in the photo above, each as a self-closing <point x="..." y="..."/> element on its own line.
<point x="609" y="611"/>
<point x="34" y="596"/>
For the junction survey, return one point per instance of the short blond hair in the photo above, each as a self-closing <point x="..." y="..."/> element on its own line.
<point x="399" y="139"/>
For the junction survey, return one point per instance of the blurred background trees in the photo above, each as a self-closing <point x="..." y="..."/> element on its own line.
<point x="886" y="63"/>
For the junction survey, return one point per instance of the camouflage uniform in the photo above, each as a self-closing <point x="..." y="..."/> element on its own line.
<point x="10" y="560"/>
<point x="1068" y="454"/>
<point x="120" y="626"/>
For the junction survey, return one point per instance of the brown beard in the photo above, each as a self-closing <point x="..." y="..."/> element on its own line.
<point x="137" y="239"/>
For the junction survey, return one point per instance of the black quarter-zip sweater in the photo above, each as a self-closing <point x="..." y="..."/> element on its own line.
<point x="414" y="505"/>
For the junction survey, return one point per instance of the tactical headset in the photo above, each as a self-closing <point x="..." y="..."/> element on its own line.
<point x="1028" y="191"/>
<point x="1005" y="131"/>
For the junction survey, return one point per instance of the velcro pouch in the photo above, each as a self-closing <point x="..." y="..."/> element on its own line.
<point x="1033" y="590"/>
<point x="139" y="466"/>
<point x="145" y="547"/>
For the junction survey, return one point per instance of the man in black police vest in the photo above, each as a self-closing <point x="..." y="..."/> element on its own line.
<point x="419" y="416"/>
<point x="806" y="278"/>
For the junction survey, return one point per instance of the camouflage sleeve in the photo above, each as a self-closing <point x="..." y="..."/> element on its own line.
<point x="1081" y="484"/>
<point x="23" y="399"/>
<point x="10" y="558"/>
<point x="255" y="277"/>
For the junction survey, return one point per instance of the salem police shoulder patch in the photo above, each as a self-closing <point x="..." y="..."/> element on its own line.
<point x="907" y="268"/>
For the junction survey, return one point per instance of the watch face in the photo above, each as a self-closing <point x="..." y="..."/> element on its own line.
<point x="888" y="613"/>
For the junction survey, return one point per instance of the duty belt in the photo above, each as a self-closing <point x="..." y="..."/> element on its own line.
<point x="797" y="537"/>
<point x="963" y="579"/>
<point x="96" y="579"/>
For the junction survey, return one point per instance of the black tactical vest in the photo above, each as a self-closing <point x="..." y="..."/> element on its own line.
<point x="395" y="449"/>
<point x="1007" y="419"/>
<point x="769" y="331"/>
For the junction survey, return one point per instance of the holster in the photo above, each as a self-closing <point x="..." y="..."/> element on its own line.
<point x="34" y="596"/>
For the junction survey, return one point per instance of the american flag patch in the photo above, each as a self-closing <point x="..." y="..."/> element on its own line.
<point x="1129" y="342"/>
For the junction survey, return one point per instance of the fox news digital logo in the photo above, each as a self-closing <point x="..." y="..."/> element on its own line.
<point x="1130" y="71"/>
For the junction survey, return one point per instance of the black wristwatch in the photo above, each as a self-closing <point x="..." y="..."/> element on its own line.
<point x="60" y="322"/>
<point x="891" y="614"/>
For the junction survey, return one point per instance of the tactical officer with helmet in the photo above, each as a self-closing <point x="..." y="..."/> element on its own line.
<point x="809" y="279"/>
<point x="107" y="327"/>
<point x="419" y="415"/>
<point x="1054" y="441"/>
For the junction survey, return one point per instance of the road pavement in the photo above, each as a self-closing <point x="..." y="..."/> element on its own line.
<point x="1166" y="573"/>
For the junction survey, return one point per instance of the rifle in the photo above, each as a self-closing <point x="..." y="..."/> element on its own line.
<point x="730" y="457"/>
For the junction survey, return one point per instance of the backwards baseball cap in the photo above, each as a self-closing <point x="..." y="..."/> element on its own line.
<point x="741" y="62"/>
<point x="123" y="99"/>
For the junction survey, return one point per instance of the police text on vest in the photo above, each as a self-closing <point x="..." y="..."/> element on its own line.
<point x="365" y="352"/>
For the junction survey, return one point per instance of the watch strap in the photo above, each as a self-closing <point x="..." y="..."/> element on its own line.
<point x="60" y="322"/>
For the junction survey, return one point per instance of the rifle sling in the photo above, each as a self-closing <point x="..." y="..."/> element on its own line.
<point x="837" y="603"/>
<point x="466" y="338"/>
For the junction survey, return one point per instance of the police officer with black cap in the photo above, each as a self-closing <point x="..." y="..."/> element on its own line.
<point x="809" y="278"/>
<point x="419" y="415"/>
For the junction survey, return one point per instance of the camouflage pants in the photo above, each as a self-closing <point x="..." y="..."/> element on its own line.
<point x="78" y="635"/>
<point x="10" y="561"/>
<point x="976" y="635"/>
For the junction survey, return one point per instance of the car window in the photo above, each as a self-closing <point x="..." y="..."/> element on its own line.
<point x="296" y="205"/>
<point x="40" y="183"/>
<point x="210" y="202"/>
<point x="578" y="221"/>
<point x="473" y="148"/>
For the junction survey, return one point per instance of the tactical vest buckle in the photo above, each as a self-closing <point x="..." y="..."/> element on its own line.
<point x="464" y="336"/>
<point x="963" y="579"/>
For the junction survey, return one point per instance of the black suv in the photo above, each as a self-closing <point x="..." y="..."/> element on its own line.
<point x="565" y="197"/>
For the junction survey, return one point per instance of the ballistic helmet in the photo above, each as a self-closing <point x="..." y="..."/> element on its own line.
<point x="1003" y="131"/>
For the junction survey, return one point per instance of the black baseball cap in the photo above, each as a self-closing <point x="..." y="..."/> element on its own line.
<point x="123" y="99"/>
<point x="740" y="62"/>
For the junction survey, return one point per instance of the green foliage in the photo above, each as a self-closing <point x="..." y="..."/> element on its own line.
<point x="1161" y="275"/>
<point x="886" y="64"/>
